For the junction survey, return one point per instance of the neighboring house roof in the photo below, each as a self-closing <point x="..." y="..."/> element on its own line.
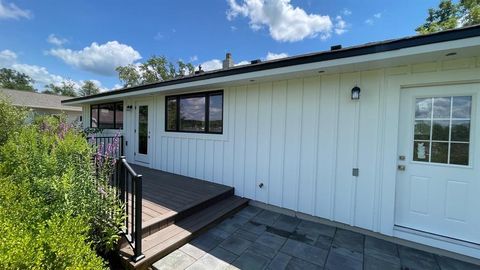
<point x="323" y="56"/>
<point x="37" y="100"/>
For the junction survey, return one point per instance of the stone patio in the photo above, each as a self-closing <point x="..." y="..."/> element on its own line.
<point x="259" y="239"/>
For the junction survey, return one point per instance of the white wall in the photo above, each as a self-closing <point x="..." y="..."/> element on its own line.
<point x="302" y="138"/>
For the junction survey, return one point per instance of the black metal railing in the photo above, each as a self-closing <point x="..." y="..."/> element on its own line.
<point x="102" y="143"/>
<point x="129" y="184"/>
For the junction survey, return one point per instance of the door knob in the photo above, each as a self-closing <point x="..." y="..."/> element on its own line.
<point x="401" y="167"/>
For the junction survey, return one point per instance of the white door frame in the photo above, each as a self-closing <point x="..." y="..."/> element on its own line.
<point x="139" y="158"/>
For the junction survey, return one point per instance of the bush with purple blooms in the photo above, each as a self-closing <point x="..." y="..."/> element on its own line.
<point x="55" y="213"/>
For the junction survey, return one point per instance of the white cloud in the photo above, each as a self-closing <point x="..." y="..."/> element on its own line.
<point x="340" y="25"/>
<point x="158" y="36"/>
<point x="194" y="58"/>
<point x="101" y="59"/>
<point x="242" y="63"/>
<point x="375" y="17"/>
<point x="211" y="65"/>
<point x="7" y="58"/>
<point x="284" y="21"/>
<point x="346" y="12"/>
<point x="273" y="56"/>
<point x="57" y="41"/>
<point x="11" y="11"/>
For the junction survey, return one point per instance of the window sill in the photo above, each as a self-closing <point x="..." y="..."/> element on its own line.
<point x="193" y="135"/>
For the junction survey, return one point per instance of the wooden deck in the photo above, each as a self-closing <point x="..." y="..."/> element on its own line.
<point x="175" y="208"/>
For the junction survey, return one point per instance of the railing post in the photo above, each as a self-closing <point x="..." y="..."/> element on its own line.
<point x="121" y="145"/>
<point x="138" y="218"/>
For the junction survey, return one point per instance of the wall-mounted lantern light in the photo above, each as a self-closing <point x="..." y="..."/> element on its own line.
<point x="129" y="108"/>
<point x="355" y="93"/>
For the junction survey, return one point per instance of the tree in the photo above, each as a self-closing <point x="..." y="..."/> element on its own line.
<point x="12" y="79"/>
<point x="66" y="88"/>
<point x="449" y="15"/>
<point x="155" y="69"/>
<point x="89" y="88"/>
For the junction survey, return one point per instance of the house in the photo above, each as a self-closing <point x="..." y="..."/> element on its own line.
<point x="381" y="136"/>
<point x="42" y="104"/>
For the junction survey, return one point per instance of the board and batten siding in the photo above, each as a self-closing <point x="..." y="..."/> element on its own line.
<point x="299" y="137"/>
<point x="302" y="137"/>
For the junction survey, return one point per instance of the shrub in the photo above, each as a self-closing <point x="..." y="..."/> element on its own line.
<point x="11" y="119"/>
<point x="54" y="212"/>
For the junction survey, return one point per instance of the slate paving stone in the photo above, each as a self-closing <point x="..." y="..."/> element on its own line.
<point x="236" y="244"/>
<point x="416" y="259"/>
<point x="223" y="254"/>
<point x="220" y="233"/>
<point x="232" y="224"/>
<point x="344" y="259"/>
<point x="193" y="251"/>
<point x="324" y="242"/>
<point x="350" y="240"/>
<point x="375" y="263"/>
<point x="271" y="240"/>
<point x="304" y="251"/>
<point x="286" y="223"/>
<point x="280" y="261"/>
<point x="452" y="264"/>
<point x="207" y="241"/>
<point x="255" y="228"/>
<point x="266" y="217"/>
<point x="249" y="212"/>
<point x="251" y="261"/>
<point x="208" y="262"/>
<point x="263" y="250"/>
<point x="176" y="260"/>
<point x="299" y="264"/>
<point x="381" y="249"/>
<point x="246" y="235"/>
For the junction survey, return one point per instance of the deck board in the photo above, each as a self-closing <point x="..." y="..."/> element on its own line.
<point x="165" y="193"/>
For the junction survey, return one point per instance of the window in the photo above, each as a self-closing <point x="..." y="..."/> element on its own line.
<point x="442" y="130"/>
<point x="198" y="112"/>
<point x="107" y="116"/>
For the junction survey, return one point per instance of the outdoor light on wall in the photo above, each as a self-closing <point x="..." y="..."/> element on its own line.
<point x="355" y="93"/>
<point x="129" y="108"/>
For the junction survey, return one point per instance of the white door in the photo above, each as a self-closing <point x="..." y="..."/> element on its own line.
<point x="438" y="174"/>
<point x="143" y="131"/>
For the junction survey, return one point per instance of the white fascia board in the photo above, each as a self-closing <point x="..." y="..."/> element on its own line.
<point x="417" y="50"/>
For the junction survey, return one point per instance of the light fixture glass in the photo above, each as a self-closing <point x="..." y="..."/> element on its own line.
<point x="355" y="93"/>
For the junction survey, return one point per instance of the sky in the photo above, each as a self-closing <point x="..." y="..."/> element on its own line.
<point x="78" y="40"/>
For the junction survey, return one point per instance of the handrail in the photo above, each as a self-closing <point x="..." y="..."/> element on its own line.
<point x="106" y="140"/>
<point x="134" y="236"/>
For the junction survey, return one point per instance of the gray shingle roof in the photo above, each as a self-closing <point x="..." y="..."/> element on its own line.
<point x="37" y="100"/>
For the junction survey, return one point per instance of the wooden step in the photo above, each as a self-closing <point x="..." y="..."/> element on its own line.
<point x="153" y="225"/>
<point x="166" y="240"/>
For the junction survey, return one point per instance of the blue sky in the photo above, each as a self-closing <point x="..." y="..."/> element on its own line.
<point x="53" y="40"/>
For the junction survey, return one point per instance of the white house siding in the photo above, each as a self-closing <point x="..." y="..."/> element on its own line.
<point x="302" y="137"/>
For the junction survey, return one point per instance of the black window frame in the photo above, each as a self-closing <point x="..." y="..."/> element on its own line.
<point x="115" y="104"/>
<point x="207" y="96"/>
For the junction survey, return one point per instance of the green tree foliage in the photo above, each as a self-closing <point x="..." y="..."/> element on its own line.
<point x="54" y="212"/>
<point x="155" y="69"/>
<point x="88" y="88"/>
<point x="66" y="88"/>
<point x="451" y="15"/>
<point x="12" y="79"/>
<point x="11" y="119"/>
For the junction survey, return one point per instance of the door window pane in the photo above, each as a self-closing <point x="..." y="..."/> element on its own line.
<point x="106" y="114"/>
<point x="215" y="118"/>
<point x="442" y="130"/>
<point x="171" y="113"/>
<point x="119" y="115"/>
<point x="462" y="107"/>
<point x="423" y="108"/>
<point x="461" y="130"/>
<point x="192" y="114"/>
<point x="459" y="153"/>
<point x="143" y="130"/>
<point x="422" y="130"/>
<point x="441" y="107"/>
